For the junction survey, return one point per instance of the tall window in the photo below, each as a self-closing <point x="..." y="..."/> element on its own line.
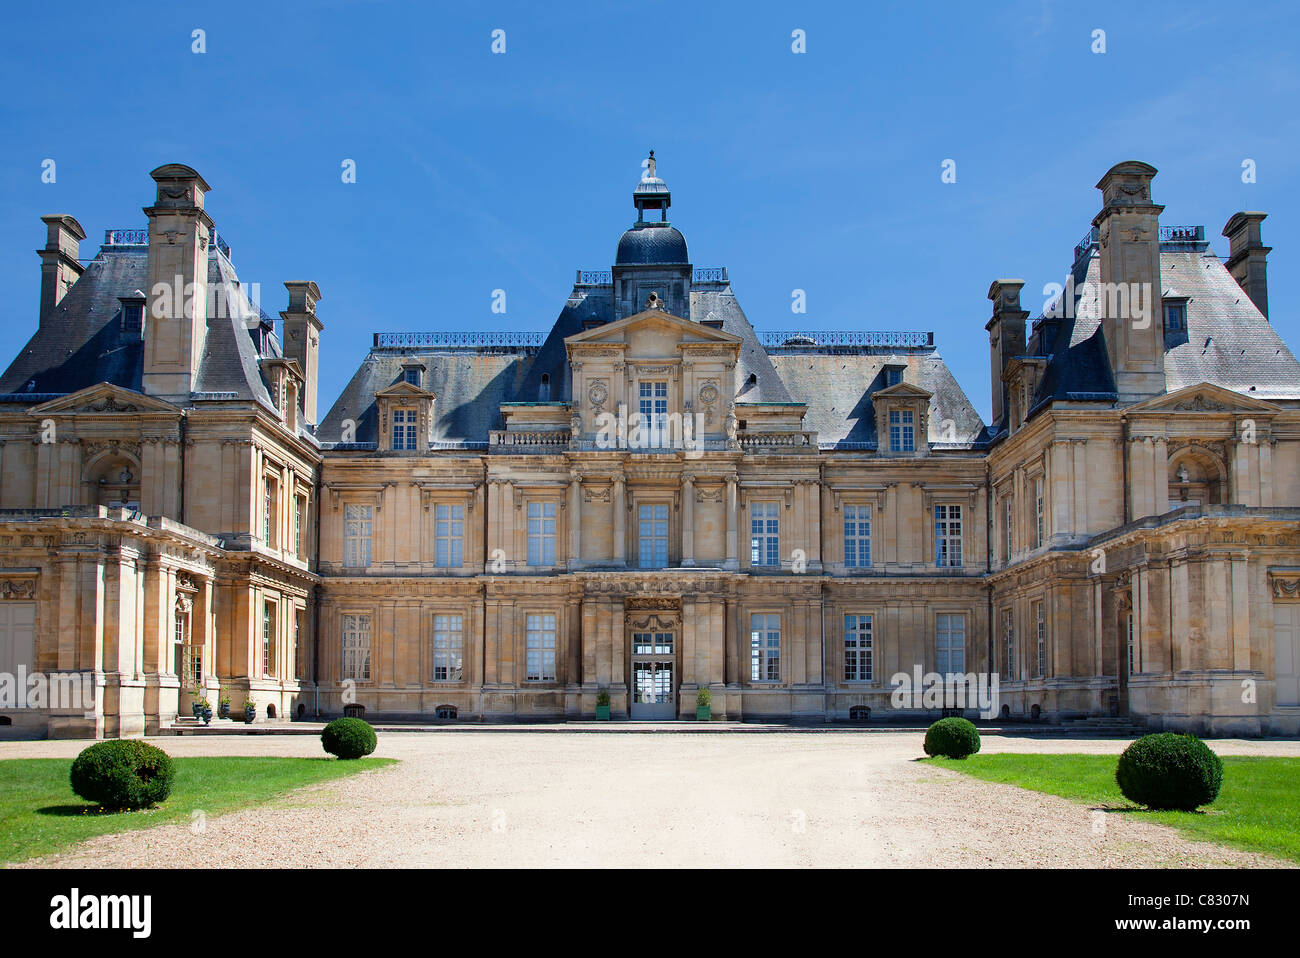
<point x="447" y="648"/>
<point x="1040" y="633"/>
<point x="540" y="648"/>
<point x="299" y="507"/>
<point x="857" y="648"/>
<point x="297" y="644"/>
<point x="765" y="647"/>
<point x="268" y="639"/>
<point x="653" y="406"/>
<point x="764" y="533"/>
<point x="652" y="535"/>
<point x="1038" y="512"/>
<point x="1130" y="644"/>
<point x="356" y="535"/>
<point x="857" y="536"/>
<point x="902" y="437"/>
<point x="947" y="535"/>
<point x="950" y="644"/>
<point x="1175" y="317"/>
<point x="189" y="657"/>
<point x="268" y="510"/>
<point x="541" y="533"/>
<point x="1009" y="637"/>
<point x="448" y="535"/>
<point x="1008" y="526"/>
<point x="404" y="429"/>
<point x="356" y="647"/>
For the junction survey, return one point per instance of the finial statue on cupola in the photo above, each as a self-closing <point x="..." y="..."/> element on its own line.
<point x="650" y="167"/>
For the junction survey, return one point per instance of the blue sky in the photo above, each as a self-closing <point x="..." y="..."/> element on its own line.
<point x="478" y="171"/>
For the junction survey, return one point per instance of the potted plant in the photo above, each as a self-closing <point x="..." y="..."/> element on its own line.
<point x="223" y="703"/>
<point x="250" y="711"/>
<point x="202" y="708"/>
<point x="703" y="705"/>
<point x="602" y="705"/>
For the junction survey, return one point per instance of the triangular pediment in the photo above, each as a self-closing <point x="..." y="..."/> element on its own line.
<point x="403" y="390"/>
<point x="104" y="398"/>
<point x="618" y="332"/>
<point x="1203" y="397"/>
<point x="901" y="391"/>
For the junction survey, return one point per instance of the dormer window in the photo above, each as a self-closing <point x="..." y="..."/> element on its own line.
<point x="404" y="421"/>
<point x="544" y="391"/>
<point x="902" y="431"/>
<point x="1175" y="321"/>
<point x="893" y="375"/>
<point x="133" y="315"/>
<point x="412" y="376"/>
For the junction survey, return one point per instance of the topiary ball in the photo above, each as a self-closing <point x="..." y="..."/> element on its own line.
<point x="349" y="738"/>
<point x="1169" y="771"/>
<point x="123" y="774"/>
<point x="952" y="738"/>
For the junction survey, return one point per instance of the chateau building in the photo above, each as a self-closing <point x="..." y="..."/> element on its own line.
<point x="652" y="498"/>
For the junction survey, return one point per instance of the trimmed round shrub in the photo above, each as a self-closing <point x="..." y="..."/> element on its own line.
<point x="1169" y="771"/>
<point x="952" y="738"/>
<point x="349" y="738"/>
<point x="123" y="774"/>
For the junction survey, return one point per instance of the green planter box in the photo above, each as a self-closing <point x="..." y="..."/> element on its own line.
<point x="602" y="713"/>
<point x="703" y="713"/>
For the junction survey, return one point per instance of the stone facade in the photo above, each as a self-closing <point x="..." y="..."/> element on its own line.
<point x="652" y="499"/>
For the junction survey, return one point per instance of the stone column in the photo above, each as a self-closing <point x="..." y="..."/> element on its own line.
<point x="688" y="519"/>
<point x="619" y="504"/>
<point x="731" y="563"/>
<point x="575" y="520"/>
<point x="730" y="629"/>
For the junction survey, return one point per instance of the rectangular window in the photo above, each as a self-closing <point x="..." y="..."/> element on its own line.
<point x="299" y="507"/>
<point x="1132" y="646"/>
<point x="356" y="535"/>
<point x="268" y="639"/>
<point x="901" y="431"/>
<point x="652" y="535"/>
<point x="356" y="647"/>
<point x="1009" y="637"/>
<point x="448" y="535"/>
<point x="412" y="376"/>
<point x="765" y="647"/>
<point x="540" y="648"/>
<point x="1038" y="512"/>
<point x="947" y="535"/>
<point x="447" y="644"/>
<point x="857" y="536"/>
<point x="189" y="656"/>
<point x="893" y="376"/>
<point x="404" y="429"/>
<point x="857" y="648"/>
<point x="297" y="644"/>
<point x="541" y="533"/>
<point x="765" y="533"/>
<point x="950" y="644"/>
<point x="268" y="511"/>
<point x="1040" y="631"/>
<point x="652" y="403"/>
<point x="1008" y="520"/>
<point x="1175" y="317"/>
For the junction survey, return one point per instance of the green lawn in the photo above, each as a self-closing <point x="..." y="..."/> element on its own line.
<point x="1257" y="808"/>
<point x="41" y="814"/>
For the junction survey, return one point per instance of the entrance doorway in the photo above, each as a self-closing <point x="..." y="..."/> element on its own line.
<point x="654" y="663"/>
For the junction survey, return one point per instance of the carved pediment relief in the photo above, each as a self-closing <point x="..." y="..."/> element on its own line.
<point x="1204" y="397"/>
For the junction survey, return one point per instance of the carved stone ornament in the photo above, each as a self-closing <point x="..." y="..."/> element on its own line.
<point x="1286" y="587"/>
<point x="598" y="394"/>
<point x="1199" y="403"/>
<point x="17" y="588"/>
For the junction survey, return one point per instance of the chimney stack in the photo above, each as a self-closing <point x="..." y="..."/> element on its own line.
<point x="1128" y="242"/>
<point x="1006" y="337"/>
<point x="177" y="322"/>
<point x="302" y="339"/>
<point x="1248" y="257"/>
<point x="59" y="266"/>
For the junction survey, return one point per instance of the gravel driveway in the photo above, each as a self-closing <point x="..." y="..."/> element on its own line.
<point x="516" y="798"/>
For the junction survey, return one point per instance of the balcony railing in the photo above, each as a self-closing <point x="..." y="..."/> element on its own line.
<point x="777" y="440"/>
<point x="710" y="274"/>
<point x="1182" y="234"/>
<point x="126" y="237"/>
<point x="885" y="339"/>
<point x="594" y="277"/>
<point x="1085" y="245"/>
<point x="455" y="339"/>
<point x="530" y="439"/>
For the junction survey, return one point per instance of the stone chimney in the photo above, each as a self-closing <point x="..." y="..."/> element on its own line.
<point x="302" y="339"/>
<point x="59" y="266"/>
<point x="1248" y="257"/>
<point x="176" y="325"/>
<point x="1006" y="337"/>
<point x="1128" y="242"/>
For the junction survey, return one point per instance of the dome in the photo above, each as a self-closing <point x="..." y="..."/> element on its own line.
<point x="651" y="244"/>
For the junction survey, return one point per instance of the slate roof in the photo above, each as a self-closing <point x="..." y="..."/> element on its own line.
<point x="82" y="342"/>
<point x="1229" y="342"/>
